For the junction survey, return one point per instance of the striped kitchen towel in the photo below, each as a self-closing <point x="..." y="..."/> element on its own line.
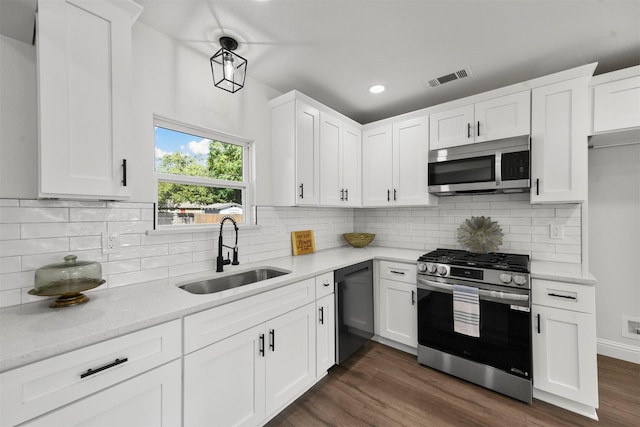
<point x="466" y="310"/>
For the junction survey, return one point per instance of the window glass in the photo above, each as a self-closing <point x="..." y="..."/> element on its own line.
<point x="201" y="178"/>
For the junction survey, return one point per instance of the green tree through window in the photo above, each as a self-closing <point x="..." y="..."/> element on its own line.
<point x="224" y="162"/>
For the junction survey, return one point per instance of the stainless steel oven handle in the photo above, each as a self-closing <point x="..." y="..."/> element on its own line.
<point x="431" y="285"/>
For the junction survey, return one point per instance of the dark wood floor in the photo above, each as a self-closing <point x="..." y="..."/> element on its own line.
<point x="381" y="386"/>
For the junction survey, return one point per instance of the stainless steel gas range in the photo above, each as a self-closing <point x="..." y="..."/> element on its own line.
<point x="474" y="318"/>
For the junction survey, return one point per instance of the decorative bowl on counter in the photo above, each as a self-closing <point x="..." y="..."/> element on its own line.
<point x="67" y="280"/>
<point x="359" y="240"/>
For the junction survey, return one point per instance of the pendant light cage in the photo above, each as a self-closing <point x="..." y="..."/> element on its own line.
<point x="228" y="68"/>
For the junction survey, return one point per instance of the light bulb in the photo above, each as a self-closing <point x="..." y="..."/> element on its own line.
<point x="229" y="69"/>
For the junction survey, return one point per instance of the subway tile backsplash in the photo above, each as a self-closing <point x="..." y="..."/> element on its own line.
<point x="34" y="233"/>
<point x="526" y="227"/>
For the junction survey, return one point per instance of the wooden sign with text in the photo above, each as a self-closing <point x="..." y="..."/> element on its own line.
<point x="302" y="242"/>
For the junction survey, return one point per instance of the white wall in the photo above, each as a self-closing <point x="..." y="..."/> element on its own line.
<point x="18" y="127"/>
<point x="175" y="81"/>
<point x="614" y="245"/>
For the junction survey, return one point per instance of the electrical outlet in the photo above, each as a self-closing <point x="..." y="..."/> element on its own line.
<point x="557" y="231"/>
<point x="109" y="242"/>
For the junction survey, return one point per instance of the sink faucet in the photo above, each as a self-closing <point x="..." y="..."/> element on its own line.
<point x="220" y="262"/>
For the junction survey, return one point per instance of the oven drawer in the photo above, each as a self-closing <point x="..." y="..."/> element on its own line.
<point x="567" y="296"/>
<point x="398" y="271"/>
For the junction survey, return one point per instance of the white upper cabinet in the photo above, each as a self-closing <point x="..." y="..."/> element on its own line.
<point x="452" y="127"/>
<point x="616" y="104"/>
<point x="559" y="123"/>
<point x="394" y="162"/>
<point x="340" y="160"/>
<point x="301" y="172"/>
<point x="503" y="117"/>
<point x="377" y="166"/>
<point x="84" y="97"/>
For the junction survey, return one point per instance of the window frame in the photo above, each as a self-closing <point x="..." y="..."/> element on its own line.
<point x="246" y="185"/>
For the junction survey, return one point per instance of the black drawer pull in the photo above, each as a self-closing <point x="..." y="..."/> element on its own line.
<point x="261" y="351"/>
<point x="301" y="195"/>
<point x="396" y="272"/>
<point x="413" y="297"/>
<point x="468" y="130"/>
<point x="102" y="368"/>
<point x="537" y="186"/>
<point x="124" y="172"/>
<point x="272" y="344"/>
<point x="322" y="315"/>
<point x="538" y="322"/>
<point x="562" y="296"/>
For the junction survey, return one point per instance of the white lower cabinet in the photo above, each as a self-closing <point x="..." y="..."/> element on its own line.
<point x="134" y="379"/>
<point x="398" y="310"/>
<point x="325" y="334"/>
<point x="148" y="400"/>
<point x="565" y="371"/>
<point x="246" y="378"/>
<point x="225" y="382"/>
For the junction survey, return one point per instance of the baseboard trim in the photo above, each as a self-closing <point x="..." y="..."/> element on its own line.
<point x="396" y="345"/>
<point x="618" y="350"/>
<point x="569" y="405"/>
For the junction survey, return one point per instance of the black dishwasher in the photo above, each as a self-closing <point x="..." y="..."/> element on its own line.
<point x="354" y="308"/>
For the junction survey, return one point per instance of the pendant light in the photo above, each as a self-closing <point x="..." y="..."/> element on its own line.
<point x="229" y="69"/>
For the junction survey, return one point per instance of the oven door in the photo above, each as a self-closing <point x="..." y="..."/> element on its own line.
<point x="505" y="325"/>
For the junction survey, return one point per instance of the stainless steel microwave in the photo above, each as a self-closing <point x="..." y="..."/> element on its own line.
<point x="485" y="167"/>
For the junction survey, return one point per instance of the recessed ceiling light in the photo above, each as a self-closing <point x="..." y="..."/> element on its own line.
<point x="377" y="89"/>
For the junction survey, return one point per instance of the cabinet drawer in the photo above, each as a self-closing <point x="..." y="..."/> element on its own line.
<point x="324" y="284"/>
<point x="34" y="389"/>
<point x="567" y="296"/>
<point x="209" y="326"/>
<point x="398" y="271"/>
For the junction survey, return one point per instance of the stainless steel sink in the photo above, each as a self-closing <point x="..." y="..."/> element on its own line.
<point x="223" y="283"/>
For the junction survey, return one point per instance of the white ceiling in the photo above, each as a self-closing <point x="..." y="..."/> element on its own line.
<point x="334" y="50"/>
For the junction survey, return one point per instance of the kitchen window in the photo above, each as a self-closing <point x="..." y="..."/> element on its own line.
<point x="202" y="175"/>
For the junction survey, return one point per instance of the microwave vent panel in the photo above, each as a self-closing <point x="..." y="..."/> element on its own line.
<point x="461" y="74"/>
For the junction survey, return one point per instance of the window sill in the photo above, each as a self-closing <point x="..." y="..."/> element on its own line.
<point x="179" y="229"/>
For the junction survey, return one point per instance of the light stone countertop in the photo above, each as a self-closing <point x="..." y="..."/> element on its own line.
<point x="32" y="332"/>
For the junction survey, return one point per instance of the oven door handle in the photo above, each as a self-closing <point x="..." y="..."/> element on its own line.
<point x="435" y="286"/>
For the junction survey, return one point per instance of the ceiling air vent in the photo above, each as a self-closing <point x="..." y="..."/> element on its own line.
<point x="461" y="74"/>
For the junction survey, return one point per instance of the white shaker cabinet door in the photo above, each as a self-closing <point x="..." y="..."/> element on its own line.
<point x="452" y="128"/>
<point x="224" y="382"/>
<point x="325" y="334"/>
<point x="290" y="356"/>
<point x="410" y="160"/>
<point x="377" y="166"/>
<point x="351" y="166"/>
<point x="503" y="117"/>
<point x="564" y="354"/>
<point x="617" y="105"/>
<point x="307" y="155"/>
<point x="398" y="312"/>
<point x="84" y="97"/>
<point x="559" y="124"/>
<point x="331" y="133"/>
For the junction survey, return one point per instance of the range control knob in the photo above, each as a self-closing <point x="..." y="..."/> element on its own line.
<point x="505" y="278"/>
<point x="422" y="267"/>
<point x="519" y="280"/>
<point x="442" y="270"/>
<point x="431" y="268"/>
